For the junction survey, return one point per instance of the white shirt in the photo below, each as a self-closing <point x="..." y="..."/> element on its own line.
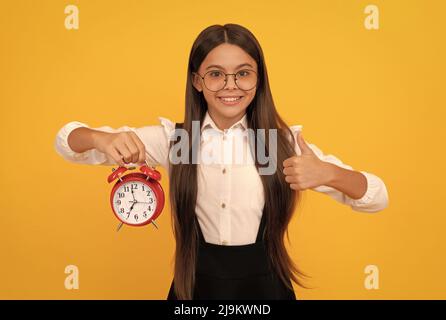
<point x="230" y="197"/>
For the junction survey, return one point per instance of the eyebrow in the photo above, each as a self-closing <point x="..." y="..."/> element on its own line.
<point x="220" y="67"/>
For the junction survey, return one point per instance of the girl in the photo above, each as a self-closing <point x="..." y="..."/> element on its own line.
<point x="229" y="221"/>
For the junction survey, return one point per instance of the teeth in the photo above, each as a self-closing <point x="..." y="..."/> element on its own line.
<point x="230" y="99"/>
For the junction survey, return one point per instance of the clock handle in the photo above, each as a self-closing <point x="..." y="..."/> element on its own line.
<point x="153" y="166"/>
<point x="149" y="165"/>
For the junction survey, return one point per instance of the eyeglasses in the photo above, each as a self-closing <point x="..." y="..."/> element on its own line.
<point x="215" y="80"/>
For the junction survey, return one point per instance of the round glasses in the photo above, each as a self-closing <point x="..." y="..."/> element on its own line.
<point x="216" y="80"/>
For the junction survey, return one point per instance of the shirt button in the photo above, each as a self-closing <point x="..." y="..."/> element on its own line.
<point x="224" y="170"/>
<point x="223" y="205"/>
<point x="224" y="242"/>
<point x="224" y="137"/>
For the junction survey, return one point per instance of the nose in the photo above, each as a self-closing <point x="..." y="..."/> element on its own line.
<point x="230" y="82"/>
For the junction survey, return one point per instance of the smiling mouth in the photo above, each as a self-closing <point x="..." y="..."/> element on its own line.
<point x="230" y="99"/>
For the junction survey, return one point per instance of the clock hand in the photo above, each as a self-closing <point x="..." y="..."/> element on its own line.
<point x="134" y="201"/>
<point x="133" y="204"/>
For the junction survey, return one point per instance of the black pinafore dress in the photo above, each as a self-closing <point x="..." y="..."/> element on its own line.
<point x="238" y="272"/>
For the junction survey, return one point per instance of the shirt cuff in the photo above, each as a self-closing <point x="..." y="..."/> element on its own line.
<point x="375" y="198"/>
<point x="62" y="146"/>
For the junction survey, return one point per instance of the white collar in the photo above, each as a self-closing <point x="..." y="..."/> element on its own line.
<point x="242" y="123"/>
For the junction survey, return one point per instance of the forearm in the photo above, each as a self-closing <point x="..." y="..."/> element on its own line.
<point x="83" y="139"/>
<point x="352" y="183"/>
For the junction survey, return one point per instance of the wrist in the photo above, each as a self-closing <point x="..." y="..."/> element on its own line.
<point x="95" y="135"/>
<point x="331" y="174"/>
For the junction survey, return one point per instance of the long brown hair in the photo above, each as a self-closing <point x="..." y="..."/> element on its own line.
<point x="280" y="199"/>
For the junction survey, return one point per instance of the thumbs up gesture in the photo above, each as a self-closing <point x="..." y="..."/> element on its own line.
<point x="307" y="170"/>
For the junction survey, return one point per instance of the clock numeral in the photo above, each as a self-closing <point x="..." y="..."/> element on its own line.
<point x="134" y="186"/>
<point x="150" y="208"/>
<point x="126" y="189"/>
<point x="151" y="200"/>
<point x="136" y="217"/>
<point x="144" y="214"/>
<point x="128" y="215"/>
<point x="143" y="189"/>
<point x="121" y="195"/>
<point x="121" y="210"/>
<point x="118" y="202"/>
<point x="148" y="192"/>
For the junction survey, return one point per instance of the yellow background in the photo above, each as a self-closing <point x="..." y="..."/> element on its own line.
<point x="373" y="98"/>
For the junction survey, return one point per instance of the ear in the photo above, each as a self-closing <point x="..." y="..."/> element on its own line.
<point x="196" y="82"/>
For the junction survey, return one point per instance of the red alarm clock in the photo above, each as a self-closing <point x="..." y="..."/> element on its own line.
<point x="137" y="198"/>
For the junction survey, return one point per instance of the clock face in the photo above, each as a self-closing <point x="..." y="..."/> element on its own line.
<point x="134" y="202"/>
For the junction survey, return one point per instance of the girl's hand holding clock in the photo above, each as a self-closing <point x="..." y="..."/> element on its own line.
<point x="123" y="147"/>
<point x="307" y="170"/>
